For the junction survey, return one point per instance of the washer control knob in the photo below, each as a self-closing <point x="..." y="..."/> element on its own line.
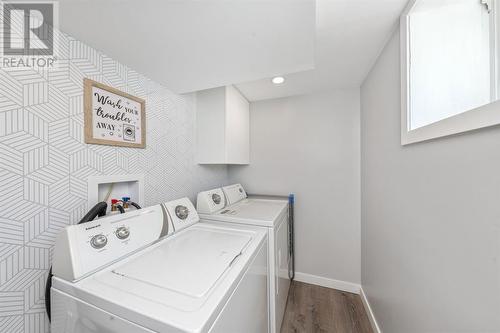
<point x="182" y="212"/>
<point x="122" y="233"/>
<point x="98" y="241"/>
<point x="216" y="198"/>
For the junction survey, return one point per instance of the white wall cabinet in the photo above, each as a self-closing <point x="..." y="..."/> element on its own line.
<point x="223" y="127"/>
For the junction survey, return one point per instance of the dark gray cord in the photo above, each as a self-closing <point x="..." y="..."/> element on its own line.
<point x="120" y="208"/>
<point x="291" y="237"/>
<point x="134" y="204"/>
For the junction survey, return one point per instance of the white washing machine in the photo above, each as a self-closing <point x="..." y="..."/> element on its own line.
<point x="159" y="270"/>
<point x="231" y="206"/>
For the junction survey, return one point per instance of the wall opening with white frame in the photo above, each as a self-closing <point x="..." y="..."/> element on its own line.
<point x="108" y="187"/>
<point x="449" y="61"/>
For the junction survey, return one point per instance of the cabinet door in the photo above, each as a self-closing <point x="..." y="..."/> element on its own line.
<point x="237" y="127"/>
<point x="210" y="126"/>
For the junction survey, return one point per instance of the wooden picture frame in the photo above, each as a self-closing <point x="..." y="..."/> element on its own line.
<point x="111" y="116"/>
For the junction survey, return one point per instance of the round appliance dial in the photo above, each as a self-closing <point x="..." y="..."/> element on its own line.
<point x="182" y="212"/>
<point x="99" y="241"/>
<point x="216" y="198"/>
<point x="122" y="233"/>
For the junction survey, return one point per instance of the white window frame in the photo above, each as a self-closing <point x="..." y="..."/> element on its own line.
<point x="483" y="116"/>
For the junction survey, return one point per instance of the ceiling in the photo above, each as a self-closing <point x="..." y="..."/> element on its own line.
<point x="350" y="34"/>
<point x="190" y="45"/>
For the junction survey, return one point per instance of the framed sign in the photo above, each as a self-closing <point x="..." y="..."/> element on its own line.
<point x="113" y="117"/>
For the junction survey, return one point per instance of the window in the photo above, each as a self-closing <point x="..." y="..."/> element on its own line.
<point x="449" y="68"/>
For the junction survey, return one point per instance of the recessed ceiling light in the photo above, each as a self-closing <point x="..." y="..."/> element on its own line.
<point x="278" y="80"/>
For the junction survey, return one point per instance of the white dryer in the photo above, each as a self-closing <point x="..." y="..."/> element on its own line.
<point x="231" y="206"/>
<point x="159" y="270"/>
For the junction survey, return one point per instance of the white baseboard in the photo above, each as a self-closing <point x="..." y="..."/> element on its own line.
<point x="369" y="312"/>
<point x="329" y="283"/>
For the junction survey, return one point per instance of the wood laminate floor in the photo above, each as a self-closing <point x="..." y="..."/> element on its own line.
<point x="318" y="309"/>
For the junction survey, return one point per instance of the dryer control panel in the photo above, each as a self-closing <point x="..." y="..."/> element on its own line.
<point x="209" y="202"/>
<point x="234" y="193"/>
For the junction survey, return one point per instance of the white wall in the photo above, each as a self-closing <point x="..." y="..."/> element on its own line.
<point x="309" y="145"/>
<point x="430" y="218"/>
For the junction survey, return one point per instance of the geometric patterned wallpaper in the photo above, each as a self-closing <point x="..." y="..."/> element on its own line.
<point x="44" y="165"/>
